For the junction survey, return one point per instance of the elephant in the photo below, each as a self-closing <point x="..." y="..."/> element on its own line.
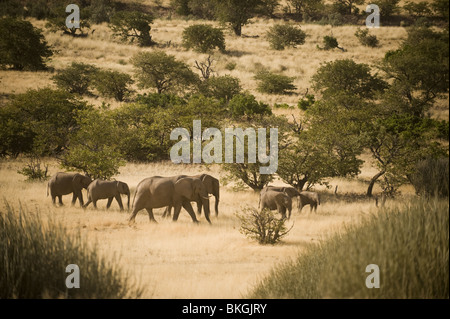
<point x="101" y="189"/>
<point x="212" y="187"/>
<point x="309" y="198"/>
<point x="157" y="192"/>
<point x="289" y="190"/>
<point x="65" y="183"/>
<point x="277" y="200"/>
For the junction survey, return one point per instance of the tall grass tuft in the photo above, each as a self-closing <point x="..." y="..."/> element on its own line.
<point x="410" y="244"/>
<point x="34" y="254"/>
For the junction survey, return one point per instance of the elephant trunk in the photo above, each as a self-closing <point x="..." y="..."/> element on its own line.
<point x="205" y="204"/>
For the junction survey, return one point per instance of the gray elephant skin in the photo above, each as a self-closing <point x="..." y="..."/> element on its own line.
<point x="309" y="198"/>
<point x="212" y="186"/>
<point x="101" y="189"/>
<point x="289" y="190"/>
<point x="157" y="192"/>
<point x="68" y="183"/>
<point x="277" y="200"/>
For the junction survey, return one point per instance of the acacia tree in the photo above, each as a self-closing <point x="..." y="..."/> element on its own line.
<point x="22" y="46"/>
<point x="236" y="13"/>
<point x="163" y="72"/>
<point x="131" y="26"/>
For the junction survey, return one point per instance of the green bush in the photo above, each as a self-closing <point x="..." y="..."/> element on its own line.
<point x="306" y="102"/>
<point x="263" y="226"/>
<point x="113" y="84"/>
<point x="246" y="104"/>
<point x="409" y="243"/>
<point x="22" y="46"/>
<point x="222" y="88"/>
<point x="431" y="177"/>
<point x="76" y="78"/>
<point x="132" y="26"/>
<point x="273" y="83"/>
<point x="35" y="253"/>
<point x="366" y="39"/>
<point x="203" y="38"/>
<point x="329" y="42"/>
<point x="285" y="35"/>
<point x="33" y="170"/>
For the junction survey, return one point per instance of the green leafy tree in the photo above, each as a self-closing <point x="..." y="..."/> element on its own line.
<point x="273" y="83"/>
<point x="236" y="13"/>
<point x="388" y="8"/>
<point x="163" y="72"/>
<point x="281" y="36"/>
<point x="247" y="105"/>
<point x="22" y="46"/>
<point x="347" y="6"/>
<point x="203" y="38"/>
<point x="133" y="26"/>
<point x="347" y="76"/>
<point x="419" y="70"/>
<point x="223" y="88"/>
<point x="366" y="39"/>
<point x="77" y="78"/>
<point x="94" y="149"/>
<point x="418" y="9"/>
<point x="113" y="84"/>
<point x="306" y="8"/>
<point x="38" y="122"/>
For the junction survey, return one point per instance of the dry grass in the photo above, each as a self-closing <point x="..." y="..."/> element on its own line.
<point x="183" y="260"/>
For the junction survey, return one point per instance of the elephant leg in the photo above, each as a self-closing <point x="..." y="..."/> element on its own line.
<point x="131" y="220"/>
<point x="87" y="203"/>
<point x="54" y="200"/>
<point x="167" y="212"/>
<point x="80" y="198"/>
<point x="110" y="199"/>
<point x="199" y="207"/>
<point x="74" y="198"/>
<point x="60" y="200"/>
<point x="282" y="211"/>
<point x="176" y="212"/>
<point x="216" y="207"/>
<point x="188" y="207"/>
<point x="150" y="215"/>
<point x="95" y="203"/>
<point x="119" y="200"/>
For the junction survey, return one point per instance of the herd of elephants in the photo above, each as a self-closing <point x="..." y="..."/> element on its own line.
<point x="170" y="192"/>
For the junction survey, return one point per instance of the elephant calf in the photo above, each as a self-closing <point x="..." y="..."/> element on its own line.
<point x="309" y="198"/>
<point x="100" y="189"/>
<point x="276" y="200"/>
<point x="68" y="183"/>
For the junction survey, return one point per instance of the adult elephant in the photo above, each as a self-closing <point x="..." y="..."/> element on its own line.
<point x="101" y="189"/>
<point x="309" y="198"/>
<point x="289" y="190"/>
<point x="212" y="186"/>
<point x="277" y="200"/>
<point x="157" y="192"/>
<point x="66" y="183"/>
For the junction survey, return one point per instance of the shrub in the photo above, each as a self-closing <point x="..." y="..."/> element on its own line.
<point x="76" y="78"/>
<point x="112" y="84"/>
<point x="431" y="177"/>
<point x="306" y="102"/>
<point x="131" y="26"/>
<point x="222" y="88"/>
<point x="366" y="39"/>
<point x="246" y="104"/>
<point x="263" y="226"/>
<point x="95" y="147"/>
<point x="35" y="253"/>
<point x="285" y="35"/>
<point x="273" y="83"/>
<point x="22" y="46"/>
<point x="409" y="244"/>
<point x="418" y="9"/>
<point x="203" y="38"/>
<point x="33" y="170"/>
<point x="163" y="72"/>
<point x="329" y="42"/>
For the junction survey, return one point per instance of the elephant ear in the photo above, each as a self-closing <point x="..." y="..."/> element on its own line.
<point x="184" y="187"/>
<point x="77" y="180"/>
